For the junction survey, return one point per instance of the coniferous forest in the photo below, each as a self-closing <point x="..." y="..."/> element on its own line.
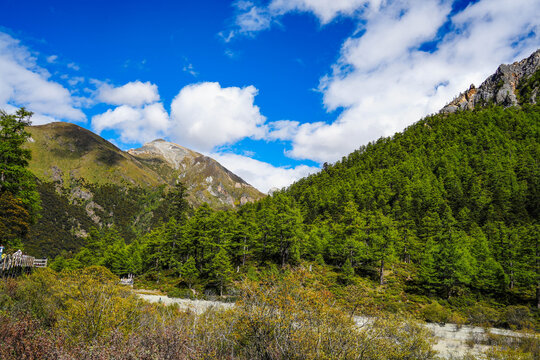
<point x="437" y="223"/>
<point x="447" y="209"/>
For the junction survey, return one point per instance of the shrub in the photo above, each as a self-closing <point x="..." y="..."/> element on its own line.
<point x="436" y="313"/>
<point x="482" y="315"/>
<point x="517" y="317"/>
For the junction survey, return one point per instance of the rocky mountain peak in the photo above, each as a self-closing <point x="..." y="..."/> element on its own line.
<point x="174" y="154"/>
<point x="510" y="85"/>
<point x="206" y="179"/>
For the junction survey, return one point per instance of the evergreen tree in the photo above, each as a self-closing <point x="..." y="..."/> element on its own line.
<point x="221" y="270"/>
<point x="347" y="272"/>
<point x="15" y="179"/>
<point x="179" y="207"/>
<point x="188" y="272"/>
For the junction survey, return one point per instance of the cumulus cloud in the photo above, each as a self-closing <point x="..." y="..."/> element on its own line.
<point x="134" y="124"/>
<point x="24" y="83"/>
<point x="251" y="18"/>
<point x="282" y="130"/>
<point x="135" y="93"/>
<point x="325" y="10"/>
<point x="262" y="175"/>
<point x="400" y="65"/>
<point x="205" y="115"/>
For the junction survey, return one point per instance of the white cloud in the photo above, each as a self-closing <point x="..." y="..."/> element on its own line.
<point x="205" y="115"/>
<point x="75" y="80"/>
<point x="282" y="130"/>
<point x="325" y="10"/>
<point x="135" y="93"/>
<point x="383" y="79"/>
<point x="262" y="175"/>
<point x="51" y="59"/>
<point x="251" y="18"/>
<point x="24" y="83"/>
<point x="73" y="66"/>
<point x="190" y="70"/>
<point x="134" y="124"/>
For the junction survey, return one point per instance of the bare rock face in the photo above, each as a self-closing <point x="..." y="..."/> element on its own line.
<point x="501" y="88"/>
<point x="206" y="179"/>
<point x="177" y="156"/>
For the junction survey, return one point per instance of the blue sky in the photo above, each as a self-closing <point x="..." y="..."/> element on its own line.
<point x="272" y="89"/>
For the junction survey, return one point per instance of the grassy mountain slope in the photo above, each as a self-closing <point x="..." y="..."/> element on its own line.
<point x="65" y="152"/>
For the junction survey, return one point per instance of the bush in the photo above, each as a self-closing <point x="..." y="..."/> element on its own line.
<point x="436" y="313"/>
<point x="482" y="316"/>
<point x="90" y="317"/>
<point x="517" y="317"/>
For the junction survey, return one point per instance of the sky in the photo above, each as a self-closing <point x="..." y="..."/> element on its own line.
<point x="271" y="89"/>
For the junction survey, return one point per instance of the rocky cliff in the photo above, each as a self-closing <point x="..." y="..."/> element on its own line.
<point x="510" y="85"/>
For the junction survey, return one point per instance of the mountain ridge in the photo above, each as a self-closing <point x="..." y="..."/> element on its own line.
<point x="66" y="153"/>
<point x="510" y="85"/>
<point x="204" y="177"/>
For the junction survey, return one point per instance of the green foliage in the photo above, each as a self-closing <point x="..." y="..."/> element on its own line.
<point x="347" y="272"/>
<point x="221" y="270"/>
<point x="527" y="87"/>
<point x="178" y="204"/>
<point x="188" y="272"/>
<point x="447" y="209"/>
<point x="19" y="201"/>
<point x="436" y="313"/>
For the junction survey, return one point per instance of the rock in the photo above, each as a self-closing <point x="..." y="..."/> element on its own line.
<point x="501" y="88"/>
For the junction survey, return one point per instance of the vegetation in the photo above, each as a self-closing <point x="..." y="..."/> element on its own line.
<point x="440" y="222"/>
<point x="445" y="211"/>
<point x="84" y="315"/>
<point x="19" y="201"/>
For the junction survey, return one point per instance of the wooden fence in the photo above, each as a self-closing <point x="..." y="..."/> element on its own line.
<point x="17" y="263"/>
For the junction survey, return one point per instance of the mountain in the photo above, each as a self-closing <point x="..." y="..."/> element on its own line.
<point x="85" y="182"/>
<point x="510" y="85"/>
<point x="206" y="179"/>
<point x="68" y="154"/>
<point x="65" y="152"/>
<point x="446" y="210"/>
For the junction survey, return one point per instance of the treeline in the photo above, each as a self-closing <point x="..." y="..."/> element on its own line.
<point x="455" y="197"/>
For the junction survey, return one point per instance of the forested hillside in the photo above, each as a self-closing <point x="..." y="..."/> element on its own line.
<point x="456" y="195"/>
<point x="451" y="204"/>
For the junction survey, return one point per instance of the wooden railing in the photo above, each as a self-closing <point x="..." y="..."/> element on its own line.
<point x="18" y="263"/>
<point x="40" y="263"/>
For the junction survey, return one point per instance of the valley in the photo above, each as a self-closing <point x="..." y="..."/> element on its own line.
<point x="420" y="245"/>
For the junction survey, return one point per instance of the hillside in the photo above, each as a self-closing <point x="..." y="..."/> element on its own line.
<point x="85" y="182"/>
<point x="206" y="179"/>
<point x="65" y="152"/>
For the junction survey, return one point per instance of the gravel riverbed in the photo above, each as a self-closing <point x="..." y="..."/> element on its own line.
<point x="451" y="339"/>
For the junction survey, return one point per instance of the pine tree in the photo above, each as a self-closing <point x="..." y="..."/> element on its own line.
<point x="347" y="272"/>
<point x="221" y="270"/>
<point x="15" y="178"/>
<point x="188" y="272"/>
<point x="179" y="207"/>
